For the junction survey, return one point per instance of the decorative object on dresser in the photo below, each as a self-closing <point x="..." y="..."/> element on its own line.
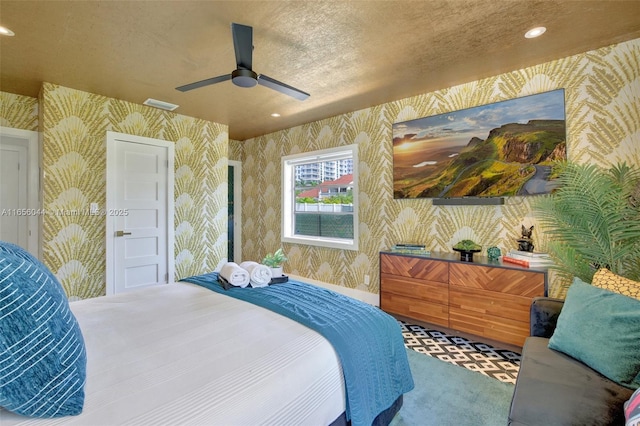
<point x="525" y="242"/>
<point x="521" y="262"/>
<point x="410" y="249"/>
<point x="528" y="259"/>
<point x="483" y="298"/>
<point x="493" y="253"/>
<point x="466" y="249"/>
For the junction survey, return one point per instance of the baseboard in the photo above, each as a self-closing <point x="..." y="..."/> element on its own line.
<point x="363" y="296"/>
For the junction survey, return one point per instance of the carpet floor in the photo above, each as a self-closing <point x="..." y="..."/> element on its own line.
<point x="476" y="356"/>
<point x="449" y="395"/>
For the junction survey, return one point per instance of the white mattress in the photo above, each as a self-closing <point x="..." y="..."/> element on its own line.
<point x="180" y="354"/>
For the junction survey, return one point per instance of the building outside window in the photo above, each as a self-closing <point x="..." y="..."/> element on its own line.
<point x="323" y="171"/>
<point x="319" y="198"/>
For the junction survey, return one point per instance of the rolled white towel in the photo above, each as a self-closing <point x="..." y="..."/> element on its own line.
<point x="234" y="274"/>
<point x="260" y="275"/>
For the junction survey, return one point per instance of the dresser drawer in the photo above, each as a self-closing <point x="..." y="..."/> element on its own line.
<point x="413" y="298"/>
<point x="484" y="303"/>
<point x="499" y="316"/>
<point x="492" y="327"/>
<point x="494" y="279"/>
<point x="434" y="313"/>
<point x="428" y="291"/>
<point x="415" y="267"/>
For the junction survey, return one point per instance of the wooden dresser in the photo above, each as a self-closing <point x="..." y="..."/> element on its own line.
<point x="486" y="299"/>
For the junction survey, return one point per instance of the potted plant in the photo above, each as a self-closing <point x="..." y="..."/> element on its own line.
<point x="593" y="221"/>
<point x="466" y="249"/>
<point x="275" y="261"/>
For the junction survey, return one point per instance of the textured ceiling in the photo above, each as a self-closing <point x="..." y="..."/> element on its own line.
<point x="348" y="55"/>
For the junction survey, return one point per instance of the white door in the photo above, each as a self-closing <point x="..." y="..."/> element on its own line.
<point x="140" y="211"/>
<point x="19" y="213"/>
<point x="13" y="194"/>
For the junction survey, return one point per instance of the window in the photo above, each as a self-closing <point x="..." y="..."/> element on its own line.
<point x="319" y="198"/>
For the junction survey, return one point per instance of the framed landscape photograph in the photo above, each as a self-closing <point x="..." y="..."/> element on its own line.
<point x="496" y="150"/>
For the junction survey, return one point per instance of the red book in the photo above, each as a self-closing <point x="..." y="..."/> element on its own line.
<point x="516" y="261"/>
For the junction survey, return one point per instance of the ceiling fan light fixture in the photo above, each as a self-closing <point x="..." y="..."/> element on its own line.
<point x="535" y="32"/>
<point x="244" y="78"/>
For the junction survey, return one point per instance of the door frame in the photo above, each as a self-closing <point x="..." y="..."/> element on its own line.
<point x="237" y="210"/>
<point x="31" y="140"/>
<point x="112" y="137"/>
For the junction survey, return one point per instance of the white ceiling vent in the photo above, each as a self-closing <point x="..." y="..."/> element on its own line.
<point x="160" y="104"/>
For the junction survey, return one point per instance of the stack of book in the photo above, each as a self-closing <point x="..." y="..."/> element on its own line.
<point x="527" y="258"/>
<point x="410" y="249"/>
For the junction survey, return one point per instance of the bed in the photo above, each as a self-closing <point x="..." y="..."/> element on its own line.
<point x="182" y="354"/>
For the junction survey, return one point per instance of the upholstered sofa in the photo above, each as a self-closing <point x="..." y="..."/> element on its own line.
<point x="556" y="389"/>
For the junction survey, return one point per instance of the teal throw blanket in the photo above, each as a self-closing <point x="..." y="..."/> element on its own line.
<point x="368" y="341"/>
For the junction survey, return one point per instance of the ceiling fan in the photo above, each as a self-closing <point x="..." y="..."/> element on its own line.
<point x="243" y="75"/>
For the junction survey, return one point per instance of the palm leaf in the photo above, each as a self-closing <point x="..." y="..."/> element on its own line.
<point x="592" y="221"/>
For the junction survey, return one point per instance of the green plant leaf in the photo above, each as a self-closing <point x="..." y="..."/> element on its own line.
<point x="592" y="221"/>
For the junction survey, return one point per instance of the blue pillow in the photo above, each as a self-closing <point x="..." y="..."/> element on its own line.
<point x="602" y="329"/>
<point x="42" y="352"/>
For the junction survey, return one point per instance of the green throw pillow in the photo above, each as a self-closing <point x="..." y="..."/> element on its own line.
<point x="602" y="329"/>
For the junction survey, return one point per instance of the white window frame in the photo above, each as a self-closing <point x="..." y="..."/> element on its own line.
<point x="288" y="196"/>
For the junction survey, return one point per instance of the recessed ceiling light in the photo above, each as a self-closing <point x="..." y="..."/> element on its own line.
<point x="6" y="31"/>
<point x="535" y="32"/>
<point x="275" y="114"/>
<point x="160" y="104"/>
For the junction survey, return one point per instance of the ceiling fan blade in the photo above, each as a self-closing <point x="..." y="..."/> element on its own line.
<point x="203" y="83"/>
<point x="243" y="44"/>
<point x="269" y="82"/>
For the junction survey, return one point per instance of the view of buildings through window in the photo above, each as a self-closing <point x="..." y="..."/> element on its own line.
<point x="323" y="171"/>
<point x="324" y="199"/>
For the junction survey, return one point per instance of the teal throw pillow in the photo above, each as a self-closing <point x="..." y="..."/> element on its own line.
<point x="602" y="329"/>
<point x="42" y="353"/>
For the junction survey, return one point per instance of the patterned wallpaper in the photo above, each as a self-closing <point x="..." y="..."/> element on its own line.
<point x="602" y="91"/>
<point x="74" y="126"/>
<point x="19" y="112"/>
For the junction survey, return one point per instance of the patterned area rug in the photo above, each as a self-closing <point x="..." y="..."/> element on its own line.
<point x="500" y="364"/>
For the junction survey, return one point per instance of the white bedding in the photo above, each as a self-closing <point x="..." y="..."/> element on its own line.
<point x="180" y="354"/>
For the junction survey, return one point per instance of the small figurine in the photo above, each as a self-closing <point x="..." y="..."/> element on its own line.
<point x="525" y="243"/>
<point x="493" y="253"/>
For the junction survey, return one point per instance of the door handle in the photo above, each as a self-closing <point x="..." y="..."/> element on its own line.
<point x="122" y="233"/>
